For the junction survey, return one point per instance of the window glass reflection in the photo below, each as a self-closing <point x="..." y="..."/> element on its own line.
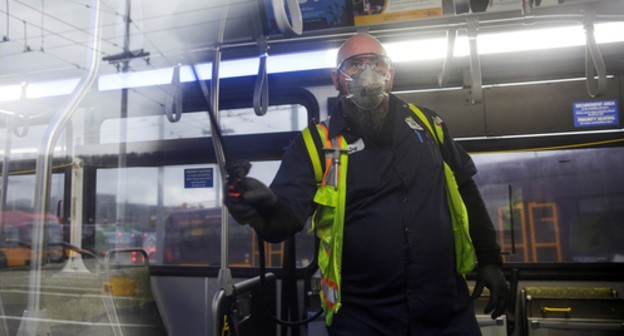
<point x="282" y="118"/>
<point x="564" y="206"/>
<point x="177" y="222"/>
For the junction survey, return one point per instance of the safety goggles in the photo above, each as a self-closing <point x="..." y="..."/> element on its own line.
<point x="356" y="62"/>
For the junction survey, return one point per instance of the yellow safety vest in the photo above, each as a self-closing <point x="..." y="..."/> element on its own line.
<point x="328" y="219"/>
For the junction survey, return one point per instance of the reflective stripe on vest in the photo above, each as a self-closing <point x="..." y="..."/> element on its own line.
<point x="328" y="219"/>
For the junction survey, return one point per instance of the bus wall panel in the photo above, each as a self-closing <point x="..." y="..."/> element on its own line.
<point x="539" y="108"/>
<point x="463" y="120"/>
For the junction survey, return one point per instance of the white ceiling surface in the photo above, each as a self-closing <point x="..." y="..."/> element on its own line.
<point x="48" y="39"/>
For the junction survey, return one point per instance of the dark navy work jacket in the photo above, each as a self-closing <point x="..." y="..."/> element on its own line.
<point x="398" y="257"/>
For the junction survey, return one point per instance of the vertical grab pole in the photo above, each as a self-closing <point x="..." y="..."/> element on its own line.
<point x="5" y="163"/>
<point x="29" y="324"/>
<point x="225" y="276"/>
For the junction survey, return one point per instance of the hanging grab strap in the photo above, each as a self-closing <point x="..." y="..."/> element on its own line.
<point x="594" y="63"/>
<point x="279" y="9"/>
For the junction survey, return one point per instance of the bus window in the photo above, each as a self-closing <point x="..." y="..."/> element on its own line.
<point x="16" y="229"/>
<point x="565" y="205"/>
<point x="25" y="145"/>
<point x="177" y="218"/>
<point x="20" y="192"/>
<point x="281" y="118"/>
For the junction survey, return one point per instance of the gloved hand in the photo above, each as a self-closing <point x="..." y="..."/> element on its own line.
<point x="491" y="276"/>
<point x="248" y="203"/>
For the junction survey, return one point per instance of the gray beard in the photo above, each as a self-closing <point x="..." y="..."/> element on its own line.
<point x="366" y="123"/>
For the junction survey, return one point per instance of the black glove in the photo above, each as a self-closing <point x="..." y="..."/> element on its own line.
<point x="491" y="276"/>
<point x="248" y="203"/>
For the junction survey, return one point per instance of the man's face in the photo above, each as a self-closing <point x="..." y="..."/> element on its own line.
<point x="353" y="64"/>
<point x="366" y="122"/>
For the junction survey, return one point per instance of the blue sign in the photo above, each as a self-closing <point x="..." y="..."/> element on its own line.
<point x="596" y="113"/>
<point x="198" y="178"/>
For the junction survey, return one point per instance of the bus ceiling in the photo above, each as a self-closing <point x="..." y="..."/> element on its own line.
<point x="161" y="36"/>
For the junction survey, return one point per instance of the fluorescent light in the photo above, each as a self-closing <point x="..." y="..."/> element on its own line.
<point x="425" y="49"/>
<point x="609" y="32"/>
<point x="536" y="39"/>
<point x="228" y="69"/>
<point x="237" y="68"/>
<point x="204" y="72"/>
<point x="497" y="43"/>
<point x="302" y="61"/>
<point x="7" y="113"/>
<point x="10" y="92"/>
<point x="428" y="49"/>
<point x="29" y="150"/>
<point x="135" y="79"/>
<point x="51" y="88"/>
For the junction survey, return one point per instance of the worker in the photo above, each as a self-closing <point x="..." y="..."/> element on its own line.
<point x="389" y="192"/>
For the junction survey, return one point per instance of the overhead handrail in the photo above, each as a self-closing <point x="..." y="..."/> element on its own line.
<point x="261" y="88"/>
<point x="476" y="82"/>
<point x="279" y="10"/>
<point x="29" y="324"/>
<point x="173" y="109"/>
<point x="594" y="63"/>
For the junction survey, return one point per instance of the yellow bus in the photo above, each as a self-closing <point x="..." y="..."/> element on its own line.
<point x="15" y="238"/>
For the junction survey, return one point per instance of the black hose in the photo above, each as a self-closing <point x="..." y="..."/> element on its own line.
<point x="262" y="274"/>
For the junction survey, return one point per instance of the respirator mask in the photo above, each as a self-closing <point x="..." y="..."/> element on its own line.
<point x="367" y="86"/>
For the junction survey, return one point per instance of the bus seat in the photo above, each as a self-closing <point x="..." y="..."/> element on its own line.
<point x="127" y="294"/>
<point x="245" y="312"/>
<point x="572" y="311"/>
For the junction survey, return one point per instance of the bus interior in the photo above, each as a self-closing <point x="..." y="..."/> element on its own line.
<point x="111" y="198"/>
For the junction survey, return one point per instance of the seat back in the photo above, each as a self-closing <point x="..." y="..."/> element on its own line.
<point x="127" y="294"/>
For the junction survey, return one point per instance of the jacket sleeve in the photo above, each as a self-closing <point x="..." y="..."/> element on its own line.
<point x="295" y="186"/>
<point x="279" y="223"/>
<point x="481" y="228"/>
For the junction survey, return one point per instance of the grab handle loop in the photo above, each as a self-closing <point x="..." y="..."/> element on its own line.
<point x="261" y="89"/>
<point x="174" y="103"/>
<point x="594" y="63"/>
<point x="279" y="9"/>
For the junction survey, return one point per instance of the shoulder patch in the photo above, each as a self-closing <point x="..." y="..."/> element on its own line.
<point x="413" y="124"/>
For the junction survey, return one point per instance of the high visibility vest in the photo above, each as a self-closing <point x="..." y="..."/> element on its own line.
<point x="330" y="197"/>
